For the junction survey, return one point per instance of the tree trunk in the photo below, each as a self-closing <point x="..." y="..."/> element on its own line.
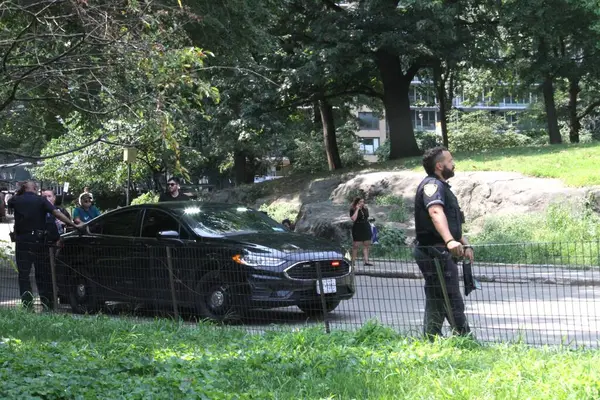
<point x="550" y="106"/>
<point x="316" y="113"/>
<point x="440" y="87"/>
<point x="331" y="147"/>
<point x="574" y="123"/>
<point x="397" y="105"/>
<point x="239" y="167"/>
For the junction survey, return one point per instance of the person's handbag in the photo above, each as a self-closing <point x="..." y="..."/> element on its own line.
<point x="374" y="232"/>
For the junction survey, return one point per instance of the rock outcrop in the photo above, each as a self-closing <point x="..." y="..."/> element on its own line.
<point x="323" y="204"/>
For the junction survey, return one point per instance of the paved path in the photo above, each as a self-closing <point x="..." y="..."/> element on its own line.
<point x="535" y="314"/>
<point x="538" y="305"/>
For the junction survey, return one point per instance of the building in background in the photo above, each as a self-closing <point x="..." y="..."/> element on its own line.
<point x="373" y="128"/>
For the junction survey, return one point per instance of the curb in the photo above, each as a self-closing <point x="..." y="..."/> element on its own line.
<point x="486" y="278"/>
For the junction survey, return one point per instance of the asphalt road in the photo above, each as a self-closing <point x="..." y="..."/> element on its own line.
<point x="532" y="312"/>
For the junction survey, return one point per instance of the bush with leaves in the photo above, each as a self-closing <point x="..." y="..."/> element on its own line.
<point x="146" y="198"/>
<point x="391" y="244"/>
<point x="398" y="211"/>
<point x="481" y="131"/>
<point x="425" y="140"/>
<point x="280" y="211"/>
<point x="309" y="155"/>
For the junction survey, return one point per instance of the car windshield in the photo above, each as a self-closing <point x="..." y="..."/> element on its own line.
<point x="232" y="220"/>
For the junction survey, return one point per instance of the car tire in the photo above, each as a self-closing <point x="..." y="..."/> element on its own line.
<point x="217" y="299"/>
<point x="83" y="297"/>
<point x="315" y="309"/>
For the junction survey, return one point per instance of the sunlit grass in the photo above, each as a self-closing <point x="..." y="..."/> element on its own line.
<point x="574" y="164"/>
<point x="58" y="356"/>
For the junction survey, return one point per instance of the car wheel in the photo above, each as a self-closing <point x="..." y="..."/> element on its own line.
<point x="315" y="308"/>
<point x="217" y="299"/>
<point x="82" y="296"/>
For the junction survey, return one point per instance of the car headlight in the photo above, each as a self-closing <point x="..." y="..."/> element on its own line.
<point x="257" y="260"/>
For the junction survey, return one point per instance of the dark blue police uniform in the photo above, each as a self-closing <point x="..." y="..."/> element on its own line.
<point x="430" y="245"/>
<point x="30" y="211"/>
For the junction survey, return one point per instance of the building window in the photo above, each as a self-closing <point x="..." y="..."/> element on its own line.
<point x="424" y="120"/>
<point x="412" y="94"/>
<point x="368" y="146"/>
<point x="367" y="121"/>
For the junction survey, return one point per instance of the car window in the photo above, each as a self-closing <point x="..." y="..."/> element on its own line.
<point x="156" y="221"/>
<point x="229" y="221"/>
<point x="122" y="223"/>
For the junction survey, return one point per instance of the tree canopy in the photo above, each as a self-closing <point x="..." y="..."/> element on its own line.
<point x="222" y="87"/>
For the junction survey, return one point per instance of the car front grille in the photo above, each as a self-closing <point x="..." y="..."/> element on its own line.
<point x="308" y="269"/>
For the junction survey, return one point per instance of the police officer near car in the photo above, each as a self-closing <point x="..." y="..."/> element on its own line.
<point x="440" y="244"/>
<point x="30" y="213"/>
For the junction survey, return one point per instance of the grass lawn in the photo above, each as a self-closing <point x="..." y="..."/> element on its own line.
<point x="575" y="165"/>
<point x="58" y="356"/>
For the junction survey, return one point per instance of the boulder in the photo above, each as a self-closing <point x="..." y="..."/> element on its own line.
<point x="325" y="219"/>
<point x="323" y="203"/>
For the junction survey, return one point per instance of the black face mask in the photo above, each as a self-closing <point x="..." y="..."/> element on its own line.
<point x="447" y="173"/>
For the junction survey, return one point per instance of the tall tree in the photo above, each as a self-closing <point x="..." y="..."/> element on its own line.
<point x="548" y="40"/>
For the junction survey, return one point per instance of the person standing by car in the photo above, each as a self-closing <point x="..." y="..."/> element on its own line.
<point x="361" y="229"/>
<point x="86" y="191"/>
<point x="440" y="243"/>
<point x="86" y="211"/>
<point x="2" y="205"/>
<point x="7" y="198"/>
<point x="54" y="226"/>
<point x="173" y="192"/>
<point x="30" y="211"/>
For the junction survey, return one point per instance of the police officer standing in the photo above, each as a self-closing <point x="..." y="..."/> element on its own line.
<point x="30" y="211"/>
<point x="438" y="225"/>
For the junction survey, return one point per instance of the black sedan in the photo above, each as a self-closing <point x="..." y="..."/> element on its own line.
<point x="220" y="260"/>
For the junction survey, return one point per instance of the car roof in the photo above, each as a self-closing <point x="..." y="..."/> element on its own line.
<point x="182" y="205"/>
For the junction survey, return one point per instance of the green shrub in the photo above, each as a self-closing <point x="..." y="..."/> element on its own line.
<point x="565" y="234"/>
<point x="398" y="214"/>
<point x="280" y="211"/>
<point x="146" y="198"/>
<point x="7" y="254"/>
<point x="308" y="153"/>
<point x="354" y="193"/>
<point x="383" y="151"/>
<point x="391" y="244"/>
<point x="390" y="200"/>
<point x="425" y="140"/>
<point x="481" y="131"/>
<point x="398" y="211"/>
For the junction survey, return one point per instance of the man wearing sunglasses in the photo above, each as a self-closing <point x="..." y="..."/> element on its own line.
<point x="173" y="193"/>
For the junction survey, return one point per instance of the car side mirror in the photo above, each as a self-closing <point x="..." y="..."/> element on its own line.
<point x="167" y="235"/>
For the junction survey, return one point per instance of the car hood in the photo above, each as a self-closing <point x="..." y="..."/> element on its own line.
<point x="287" y="242"/>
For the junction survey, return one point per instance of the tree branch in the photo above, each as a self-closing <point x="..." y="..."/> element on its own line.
<point x="13" y="45"/>
<point x="13" y="92"/>
<point x="62" y="153"/>
<point x="588" y="110"/>
<point x="78" y="107"/>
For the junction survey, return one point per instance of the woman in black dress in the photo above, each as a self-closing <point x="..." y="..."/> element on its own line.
<point x="361" y="229"/>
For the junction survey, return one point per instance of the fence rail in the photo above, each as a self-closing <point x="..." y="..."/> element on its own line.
<point x="537" y="293"/>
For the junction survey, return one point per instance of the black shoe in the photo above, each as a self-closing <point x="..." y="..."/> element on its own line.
<point x="368" y="264"/>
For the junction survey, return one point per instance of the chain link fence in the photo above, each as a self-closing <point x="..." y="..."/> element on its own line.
<point x="538" y="293"/>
